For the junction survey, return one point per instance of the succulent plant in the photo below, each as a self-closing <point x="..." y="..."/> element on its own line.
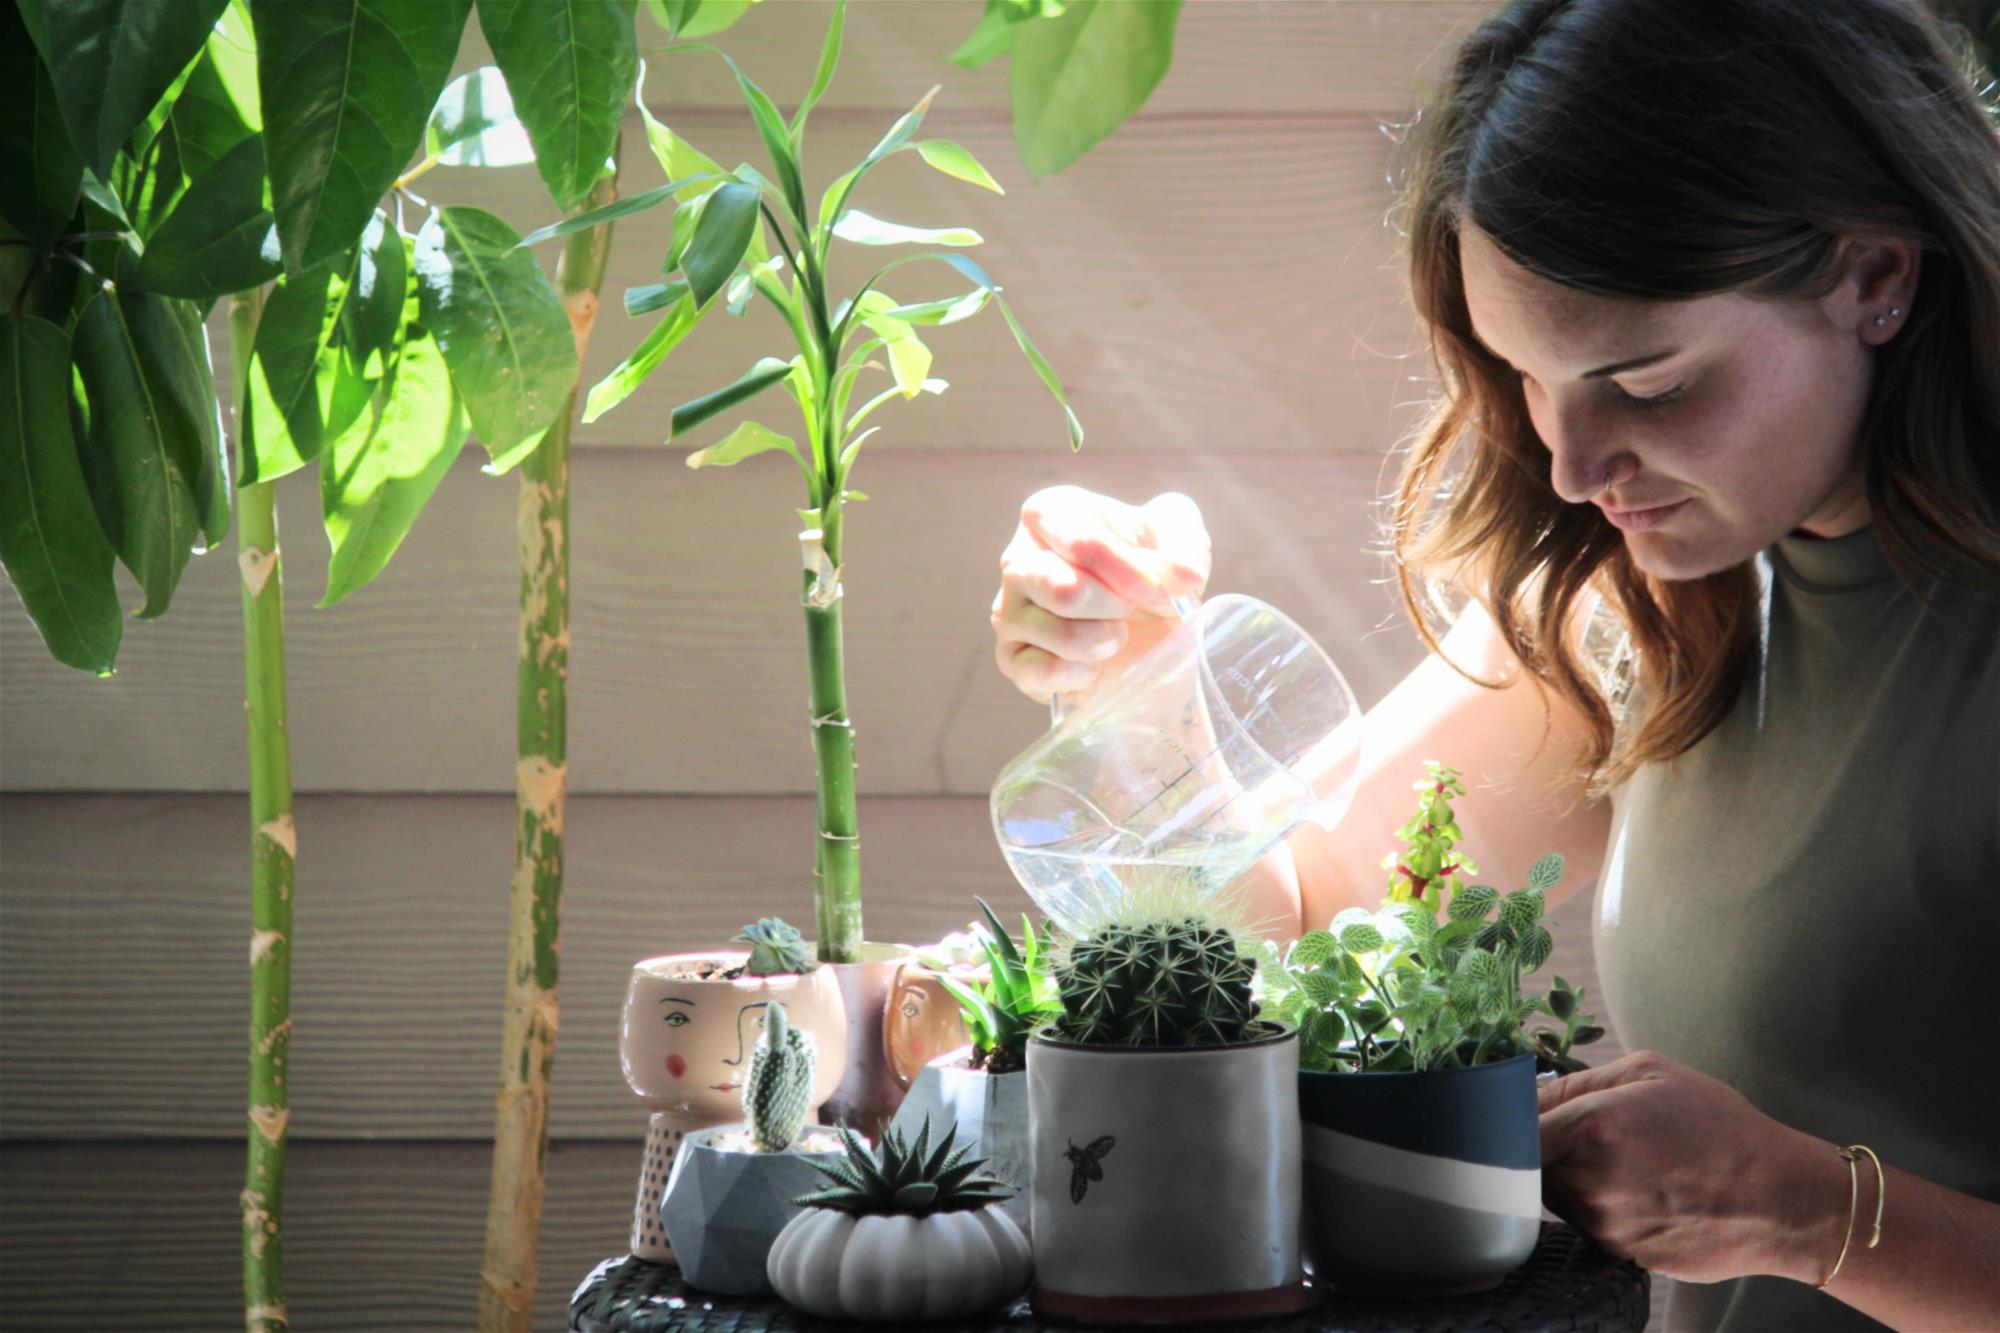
<point x="1017" y="995"/>
<point x="1159" y="983"/>
<point x="777" y="1088"/>
<point x="905" y="1179"/>
<point x="775" y="948"/>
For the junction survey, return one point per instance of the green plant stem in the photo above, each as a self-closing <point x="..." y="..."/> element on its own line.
<point x="273" y="847"/>
<point x="837" y="866"/>
<point x="528" y="1041"/>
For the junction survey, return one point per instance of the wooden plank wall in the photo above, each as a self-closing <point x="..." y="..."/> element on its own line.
<point x="1217" y="286"/>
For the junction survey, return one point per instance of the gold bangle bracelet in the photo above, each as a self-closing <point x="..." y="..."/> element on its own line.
<point x="1851" y="1154"/>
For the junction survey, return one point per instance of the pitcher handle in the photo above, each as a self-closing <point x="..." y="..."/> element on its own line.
<point x="1184" y="607"/>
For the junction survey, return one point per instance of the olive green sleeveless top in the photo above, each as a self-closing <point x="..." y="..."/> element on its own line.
<point x="1806" y="905"/>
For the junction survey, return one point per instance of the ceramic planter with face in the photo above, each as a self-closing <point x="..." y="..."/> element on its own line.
<point x="923" y="1020"/>
<point x="1166" y="1181"/>
<point x="867" y="1094"/>
<point x="1421" y="1182"/>
<point x="991" y="1111"/>
<point x="685" y="1043"/>
<point x="722" y="1208"/>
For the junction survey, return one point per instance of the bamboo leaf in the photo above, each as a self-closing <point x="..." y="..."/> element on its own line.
<point x="678" y="158"/>
<point x="721" y="238"/>
<point x="50" y="542"/>
<point x="746" y="441"/>
<point x="829" y="56"/>
<point x="568" y="64"/>
<point x="347" y="88"/>
<point x="956" y="162"/>
<point x="474" y="123"/>
<point x="1079" y="75"/>
<point x="768" y="371"/>
<point x="502" y="328"/>
<point x="111" y="61"/>
<point x="653" y="296"/>
<point x="630" y="373"/>
<point x="142" y="439"/>
<point x="863" y="229"/>
<point x="834" y="201"/>
<point x="373" y="485"/>
<point x="220" y="236"/>
<point x="637" y="203"/>
<point x="909" y="362"/>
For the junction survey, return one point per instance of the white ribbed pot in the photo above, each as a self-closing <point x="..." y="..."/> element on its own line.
<point x="895" y="1269"/>
<point x="990" y="1110"/>
<point x="723" y="1209"/>
<point x="1165" y="1181"/>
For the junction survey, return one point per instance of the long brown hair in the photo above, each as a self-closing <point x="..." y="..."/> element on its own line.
<point x="1663" y="150"/>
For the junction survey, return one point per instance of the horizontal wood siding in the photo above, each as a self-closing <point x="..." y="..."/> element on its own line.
<point x="126" y="928"/>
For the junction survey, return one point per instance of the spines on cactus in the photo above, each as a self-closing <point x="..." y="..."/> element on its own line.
<point x="776" y="948"/>
<point x="904" y="1178"/>
<point x="1164" y="983"/>
<point x="777" y="1089"/>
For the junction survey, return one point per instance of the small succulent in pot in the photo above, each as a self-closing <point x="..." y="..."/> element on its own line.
<point x="1017" y="996"/>
<point x="907" y="1232"/>
<point x="776" y="948"/>
<point x="730" y="1192"/>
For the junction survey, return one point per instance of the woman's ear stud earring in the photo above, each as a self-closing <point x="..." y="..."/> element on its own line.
<point x="1895" y="312"/>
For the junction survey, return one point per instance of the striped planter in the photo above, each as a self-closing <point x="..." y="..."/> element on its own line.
<point x="1421" y="1182"/>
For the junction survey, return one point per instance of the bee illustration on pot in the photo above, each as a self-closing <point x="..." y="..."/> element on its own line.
<point x="1086" y="1165"/>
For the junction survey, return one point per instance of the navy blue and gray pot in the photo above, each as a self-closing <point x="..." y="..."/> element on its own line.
<point x="1421" y="1182"/>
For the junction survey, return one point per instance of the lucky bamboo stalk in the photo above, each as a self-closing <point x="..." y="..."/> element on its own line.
<point x="273" y="847"/>
<point x="837" y="868"/>
<point x="528" y="1044"/>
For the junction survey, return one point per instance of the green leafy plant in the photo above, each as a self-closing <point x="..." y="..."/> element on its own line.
<point x="905" y="1179"/>
<point x="775" y="948"/>
<point x="777" y="1086"/>
<point x="740" y="235"/>
<point x="1158" y="967"/>
<point x="1016" y="996"/>
<point x="1432" y="980"/>
<point x="1552" y="1046"/>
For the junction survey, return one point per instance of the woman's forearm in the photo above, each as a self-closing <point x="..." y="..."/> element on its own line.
<point x="1937" y="1266"/>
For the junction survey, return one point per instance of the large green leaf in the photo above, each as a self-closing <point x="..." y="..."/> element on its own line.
<point x="474" y="123"/>
<point x="372" y="319"/>
<point x="218" y="105"/>
<point x="219" y="238"/>
<point x="768" y="371"/>
<point x="1078" y="76"/>
<point x="347" y="87"/>
<point x="112" y="60"/>
<point x="130" y="349"/>
<point x="40" y="173"/>
<point x="191" y="379"/>
<point x="505" y="336"/>
<point x="569" y="65"/>
<point x="373" y="485"/>
<point x="50" y="541"/>
<point x="630" y="373"/>
<point x="721" y="238"/>
<point x="302" y="391"/>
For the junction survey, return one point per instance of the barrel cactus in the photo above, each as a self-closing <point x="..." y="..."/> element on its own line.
<point x="777" y="1089"/>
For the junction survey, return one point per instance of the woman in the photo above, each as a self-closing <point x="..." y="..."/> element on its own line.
<point x="1713" y="291"/>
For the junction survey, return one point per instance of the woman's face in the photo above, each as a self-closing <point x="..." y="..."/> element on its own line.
<point x="1754" y="424"/>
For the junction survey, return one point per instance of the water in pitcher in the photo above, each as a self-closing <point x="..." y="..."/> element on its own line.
<point x="1074" y="881"/>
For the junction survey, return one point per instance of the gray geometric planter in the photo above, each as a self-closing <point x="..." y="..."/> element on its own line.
<point x="992" y="1114"/>
<point x="722" y="1209"/>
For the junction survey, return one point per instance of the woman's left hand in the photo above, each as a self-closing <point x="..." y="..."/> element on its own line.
<point x="1681" y="1174"/>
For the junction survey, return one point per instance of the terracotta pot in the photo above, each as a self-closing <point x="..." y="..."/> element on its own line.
<point x="868" y="1094"/>
<point x="684" y="1043"/>
<point x="923" y="1021"/>
<point x="991" y="1111"/>
<point x="1166" y="1181"/>
<point x="722" y="1208"/>
<point x="1423" y="1182"/>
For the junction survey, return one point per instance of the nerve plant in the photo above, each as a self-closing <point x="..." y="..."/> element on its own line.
<point x="1432" y="980"/>
<point x="741" y="234"/>
<point x="1016" y="996"/>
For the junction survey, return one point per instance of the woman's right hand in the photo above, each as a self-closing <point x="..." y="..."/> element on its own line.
<point x="1087" y="583"/>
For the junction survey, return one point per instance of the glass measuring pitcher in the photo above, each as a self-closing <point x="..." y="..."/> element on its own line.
<point x="1208" y="750"/>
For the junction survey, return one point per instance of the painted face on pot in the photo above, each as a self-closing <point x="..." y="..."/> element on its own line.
<point x="923" y="1022"/>
<point x="1742" y="413"/>
<point x="688" y="1031"/>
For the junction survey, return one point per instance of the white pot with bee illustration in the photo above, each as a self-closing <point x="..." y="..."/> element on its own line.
<point x="1165" y="1180"/>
